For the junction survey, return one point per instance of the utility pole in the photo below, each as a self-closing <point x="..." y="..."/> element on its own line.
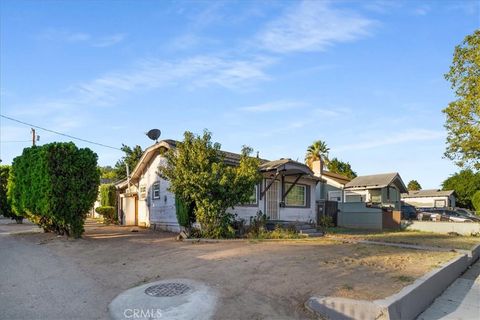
<point x="33" y="137"/>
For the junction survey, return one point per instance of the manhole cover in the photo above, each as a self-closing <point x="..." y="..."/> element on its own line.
<point x="167" y="289"/>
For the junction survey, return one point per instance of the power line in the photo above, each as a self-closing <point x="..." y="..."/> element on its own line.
<point x="14" y="141"/>
<point x="60" y="133"/>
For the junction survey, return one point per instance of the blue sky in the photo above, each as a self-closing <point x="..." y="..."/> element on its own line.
<point x="365" y="76"/>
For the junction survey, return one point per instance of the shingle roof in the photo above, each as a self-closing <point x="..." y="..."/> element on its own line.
<point x="336" y="177"/>
<point x="428" y="193"/>
<point x="377" y="180"/>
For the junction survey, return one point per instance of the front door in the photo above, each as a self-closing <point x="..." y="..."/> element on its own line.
<point x="271" y="200"/>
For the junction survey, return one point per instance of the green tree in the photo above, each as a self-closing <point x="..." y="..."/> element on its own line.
<point x="340" y="167"/>
<point x="108" y="172"/>
<point x="318" y="150"/>
<point x="476" y="201"/>
<point x="131" y="158"/>
<point x="55" y="185"/>
<point x="199" y="175"/>
<point x="413" y="185"/>
<point x="463" y="115"/>
<point x="465" y="183"/>
<point x="5" y="204"/>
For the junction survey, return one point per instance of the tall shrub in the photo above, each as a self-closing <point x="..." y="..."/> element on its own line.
<point x="55" y="184"/>
<point x="108" y="195"/>
<point x="5" y="204"/>
<point x="185" y="212"/>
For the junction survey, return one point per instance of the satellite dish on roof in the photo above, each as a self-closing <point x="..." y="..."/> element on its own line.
<point x="154" y="134"/>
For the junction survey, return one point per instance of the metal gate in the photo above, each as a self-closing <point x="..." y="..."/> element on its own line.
<point x="271" y="201"/>
<point x="329" y="208"/>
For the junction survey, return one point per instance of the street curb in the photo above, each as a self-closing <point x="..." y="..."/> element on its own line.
<point x="204" y="240"/>
<point x="406" y="304"/>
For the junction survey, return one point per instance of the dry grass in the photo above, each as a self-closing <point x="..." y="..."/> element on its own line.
<point x="411" y="237"/>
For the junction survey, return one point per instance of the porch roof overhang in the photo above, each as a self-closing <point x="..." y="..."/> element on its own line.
<point x="283" y="168"/>
<point x="286" y="167"/>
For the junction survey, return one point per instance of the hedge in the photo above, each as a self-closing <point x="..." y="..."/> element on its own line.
<point x="5" y="205"/>
<point x="108" y="195"/>
<point x="108" y="213"/>
<point x="55" y="185"/>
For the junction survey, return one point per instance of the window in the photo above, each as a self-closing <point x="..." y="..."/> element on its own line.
<point x="253" y="197"/>
<point x="143" y="192"/>
<point x="353" y="198"/>
<point x="376" y="196"/>
<point x="335" y="196"/>
<point x="297" y="196"/>
<point x="156" y="190"/>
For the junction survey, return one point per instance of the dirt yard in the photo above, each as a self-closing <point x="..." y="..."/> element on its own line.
<point x="411" y="237"/>
<point x="255" y="279"/>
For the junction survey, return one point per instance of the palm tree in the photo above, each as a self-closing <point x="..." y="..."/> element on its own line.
<point x="317" y="151"/>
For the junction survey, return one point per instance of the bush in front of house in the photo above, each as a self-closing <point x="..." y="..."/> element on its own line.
<point x="55" y="185"/>
<point x="108" y="213"/>
<point x="185" y="213"/>
<point x="5" y="205"/>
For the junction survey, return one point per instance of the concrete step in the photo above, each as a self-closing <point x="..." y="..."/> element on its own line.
<point x="310" y="230"/>
<point x="313" y="235"/>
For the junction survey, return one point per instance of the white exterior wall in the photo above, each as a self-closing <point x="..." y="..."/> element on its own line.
<point x="285" y="213"/>
<point x="429" y="201"/>
<point x="161" y="213"/>
<point x="158" y="212"/>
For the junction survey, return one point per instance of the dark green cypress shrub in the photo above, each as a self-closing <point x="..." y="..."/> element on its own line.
<point x="55" y="184"/>
<point x="108" y="195"/>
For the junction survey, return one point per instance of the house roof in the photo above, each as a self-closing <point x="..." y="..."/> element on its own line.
<point x="377" y="181"/>
<point x="336" y="177"/>
<point x="230" y="158"/>
<point x="428" y="193"/>
<point x="287" y="167"/>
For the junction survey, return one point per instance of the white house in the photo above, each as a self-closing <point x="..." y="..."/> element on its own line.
<point x="287" y="192"/>
<point x="430" y="198"/>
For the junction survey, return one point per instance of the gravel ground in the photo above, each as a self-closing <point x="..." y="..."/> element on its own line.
<point x="49" y="277"/>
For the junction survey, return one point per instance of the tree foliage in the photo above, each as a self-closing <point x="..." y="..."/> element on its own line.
<point x="465" y="183"/>
<point x="463" y="115"/>
<point x="413" y="185"/>
<point x="108" y="172"/>
<point x="55" y="185"/>
<point x="131" y="158"/>
<point x="5" y="204"/>
<point x="199" y="175"/>
<point x="318" y="150"/>
<point x="476" y="201"/>
<point x="108" y="195"/>
<point x="340" y="167"/>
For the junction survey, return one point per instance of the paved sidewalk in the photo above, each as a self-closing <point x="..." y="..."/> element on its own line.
<point x="460" y="301"/>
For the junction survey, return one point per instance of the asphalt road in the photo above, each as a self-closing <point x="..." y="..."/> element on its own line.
<point x="37" y="284"/>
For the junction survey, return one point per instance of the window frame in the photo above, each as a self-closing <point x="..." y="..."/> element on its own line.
<point x="142" y="194"/>
<point x="157" y="183"/>
<point x="305" y="198"/>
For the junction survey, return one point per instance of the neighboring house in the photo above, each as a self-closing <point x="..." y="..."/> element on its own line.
<point x="381" y="190"/>
<point x="430" y="198"/>
<point x="287" y="192"/>
<point x="93" y="213"/>
<point x="372" y="202"/>
<point x="332" y="184"/>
